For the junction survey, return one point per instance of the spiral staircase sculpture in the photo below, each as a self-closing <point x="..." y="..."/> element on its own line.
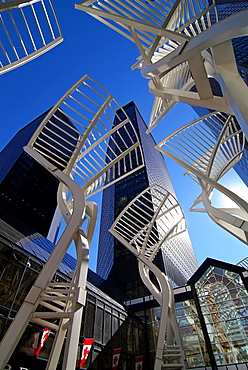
<point x="27" y="30"/>
<point x="77" y="143"/>
<point x="208" y="148"/>
<point x="174" y="36"/>
<point x="148" y="221"/>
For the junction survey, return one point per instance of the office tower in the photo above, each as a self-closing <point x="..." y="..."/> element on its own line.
<point x="24" y="250"/>
<point x="211" y="309"/>
<point x="114" y="262"/>
<point x="28" y="193"/>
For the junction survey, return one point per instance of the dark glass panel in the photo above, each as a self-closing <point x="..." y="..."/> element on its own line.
<point x="98" y="332"/>
<point x="89" y="320"/>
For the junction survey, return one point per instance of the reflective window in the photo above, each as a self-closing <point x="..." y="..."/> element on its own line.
<point x="99" y="325"/>
<point x="107" y="327"/>
<point x="89" y="320"/>
<point x="223" y="300"/>
<point x="193" y="340"/>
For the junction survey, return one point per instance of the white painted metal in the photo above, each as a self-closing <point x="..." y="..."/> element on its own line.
<point x="148" y="221"/>
<point x="91" y="109"/>
<point x="233" y="86"/>
<point x="208" y="148"/>
<point x="234" y="90"/>
<point x="170" y="20"/>
<point x="75" y="143"/>
<point x="42" y="287"/>
<point x="169" y="34"/>
<point x="178" y="78"/>
<point x="27" y="30"/>
<point x="157" y="28"/>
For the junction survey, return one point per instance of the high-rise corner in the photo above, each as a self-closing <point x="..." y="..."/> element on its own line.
<point x="115" y="263"/>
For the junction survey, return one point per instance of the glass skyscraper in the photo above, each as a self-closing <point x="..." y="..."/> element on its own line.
<point x="115" y="263"/>
<point x="27" y="203"/>
<point x="211" y="309"/>
<point x="28" y="192"/>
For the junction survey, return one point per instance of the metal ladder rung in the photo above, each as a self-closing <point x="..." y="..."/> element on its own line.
<point x="70" y="285"/>
<point x="52" y="307"/>
<point x="57" y="299"/>
<point x="174" y="366"/>
<point x="52" y="315"/>
<point x="59" y="303"/>
<point x="45" y="323"/>
<point x="60" y="291"/>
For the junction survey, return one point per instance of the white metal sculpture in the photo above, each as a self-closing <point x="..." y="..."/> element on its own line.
<point x="171" y="35"/>
<point x="179" y="78"/>
<point x="148" y="221"/>
<point x="209" y="147"/>
<point x="85" y="144"/>
<point x="27" y="30"/>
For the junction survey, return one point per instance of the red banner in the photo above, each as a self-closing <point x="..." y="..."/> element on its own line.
<point x="116" y="357"/>
<point x="86" y="350"/>
<point x="35" y="340"/>
<point x="139" y="363"/>
<point x="44" y="337"/>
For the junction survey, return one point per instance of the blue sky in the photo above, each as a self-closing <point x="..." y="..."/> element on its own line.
<point x="91" y="48"/>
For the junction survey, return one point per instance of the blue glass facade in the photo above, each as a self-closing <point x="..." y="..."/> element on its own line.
<point x="211" y="309"/>
<point x="28" y="192"/>
<point x="114" y="262"/>
<point x="12" y="151"/>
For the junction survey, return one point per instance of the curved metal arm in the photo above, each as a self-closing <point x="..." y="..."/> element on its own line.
<point x="35" y="295"/>
<point x="143" y="227"/>
<point x="85" y="139"/>
<point x="28" y="29"/>
<point x="233" y="220"/>
<point x="209" y="147"/>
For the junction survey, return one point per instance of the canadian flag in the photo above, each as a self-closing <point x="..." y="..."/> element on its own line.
<point x="139" y="363"/>
<point x="116" y="357"/>
<point x="86" y="350"/>
<point x="35" y="340"/>
<point x="44" y="337"/>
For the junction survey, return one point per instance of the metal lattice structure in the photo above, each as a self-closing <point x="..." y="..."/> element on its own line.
<point x="170" y="34"/>
<point x="208" y="148"/>
<point x="27" y="30"/>
<point x="148" y="221"/>
<point x="179" y="78"/>
<point x="75" y="142"/>
<point x="157" y="28"/>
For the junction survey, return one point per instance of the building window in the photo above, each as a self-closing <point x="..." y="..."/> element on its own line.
<point x="223" y="300"/>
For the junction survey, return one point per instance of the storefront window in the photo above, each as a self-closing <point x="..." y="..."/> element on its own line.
<point x="223" y="300"/>
<point x="193" y="340"/>
<point x="107" y="328"/>
<point x="99" y="325"/>
<point x="89" y="320"/>
<point x="10" y="275"/>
